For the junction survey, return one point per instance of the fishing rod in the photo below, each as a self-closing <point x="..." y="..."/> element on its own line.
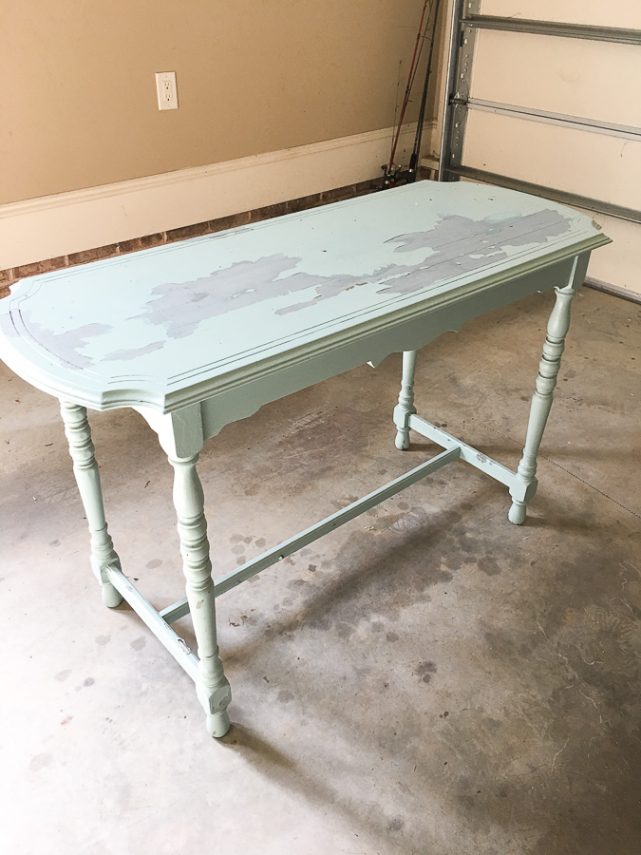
<point x="416" y="151"/>
<point x="416" y="58"/>
<point x="393" y="174"/>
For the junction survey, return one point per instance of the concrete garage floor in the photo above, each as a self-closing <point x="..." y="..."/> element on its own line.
<point x="428" y="679"/>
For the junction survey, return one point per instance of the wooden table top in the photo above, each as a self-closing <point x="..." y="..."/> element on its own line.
<point x="147" y="328"/>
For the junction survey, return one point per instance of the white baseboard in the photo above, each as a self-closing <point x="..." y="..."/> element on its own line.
<point x="51" y="226"/>
<point x="614" y="290"/>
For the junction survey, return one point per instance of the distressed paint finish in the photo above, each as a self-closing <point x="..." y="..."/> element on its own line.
<point x="200" y="334"/>
<point x="209" y="311"/>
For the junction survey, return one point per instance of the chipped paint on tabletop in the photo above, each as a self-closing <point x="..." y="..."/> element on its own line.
<point x="203" y="304"/>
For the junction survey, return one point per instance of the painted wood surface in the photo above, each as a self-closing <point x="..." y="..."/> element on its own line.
<point x="174" y="324"/>
<point x="85" y="469"/>
<point x="405" y="407"/>
<point x="212" y="687"/>
<point x="557" y="329"/>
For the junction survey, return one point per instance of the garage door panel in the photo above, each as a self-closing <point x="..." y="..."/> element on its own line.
<point x="614" y="13"/>
<point x="619" y="263"/>
<point x="601" y="167"/>
<point x="509" y="74"/>
<point x="600" y="81"/>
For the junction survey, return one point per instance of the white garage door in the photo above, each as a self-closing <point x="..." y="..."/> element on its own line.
<point x="535" y="101"/>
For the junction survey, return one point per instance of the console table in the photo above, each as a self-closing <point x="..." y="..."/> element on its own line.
<point x="198" y="334"/>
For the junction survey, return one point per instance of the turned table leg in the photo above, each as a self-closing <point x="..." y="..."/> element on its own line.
<point x="405" y="407"/>
<point x="559" y="322"/>
<point x="213" y="688"/>
<point x="87" y="475"/>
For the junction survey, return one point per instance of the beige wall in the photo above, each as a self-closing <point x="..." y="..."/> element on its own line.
<point x="253" y="76"/>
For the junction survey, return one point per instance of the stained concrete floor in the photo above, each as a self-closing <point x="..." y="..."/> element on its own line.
<point x="428" y="679"/>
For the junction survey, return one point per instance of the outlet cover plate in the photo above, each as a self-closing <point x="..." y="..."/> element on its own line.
<point x="166" y="90"/>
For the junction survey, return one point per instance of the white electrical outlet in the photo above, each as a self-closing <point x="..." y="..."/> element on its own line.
<point x="166" y="90"/>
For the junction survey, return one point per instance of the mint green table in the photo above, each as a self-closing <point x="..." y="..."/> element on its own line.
<point x="201" y="333"/>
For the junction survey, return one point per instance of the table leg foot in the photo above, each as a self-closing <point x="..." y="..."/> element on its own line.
<point x="405" y="407"/>
<point x="402" y="440"/>
<point x="517" y="513"/>
<point x="110" y="596"/>
<point x="218" y="724"/>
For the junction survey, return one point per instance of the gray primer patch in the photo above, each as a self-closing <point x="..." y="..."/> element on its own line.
<point x="462" y="245"/>
<point x="66" y="346"/>
<point x="455" y="246"/>
<point x="133" y="352"/>
<point x="181" y="307"/>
